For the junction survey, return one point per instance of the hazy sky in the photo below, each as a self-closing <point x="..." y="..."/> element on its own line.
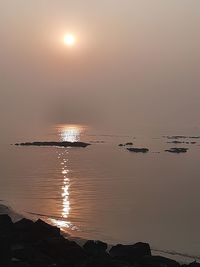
<point x="136" y="63"/>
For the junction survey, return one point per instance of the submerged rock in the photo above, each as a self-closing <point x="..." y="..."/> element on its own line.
<point x="138" y="150"/>
<point x="177" y="150"/>
<point x="60" y="144"/>
<point x="130" y="253"/>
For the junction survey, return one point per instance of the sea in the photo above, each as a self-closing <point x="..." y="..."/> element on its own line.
<point x="105" y="192"/>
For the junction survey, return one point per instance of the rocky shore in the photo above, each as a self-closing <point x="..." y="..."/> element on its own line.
<point x="26" y="243"/>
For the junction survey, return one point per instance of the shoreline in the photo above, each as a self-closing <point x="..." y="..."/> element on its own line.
<point x="29" y="243"/>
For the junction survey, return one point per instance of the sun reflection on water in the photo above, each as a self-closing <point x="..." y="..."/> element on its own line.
<point x="70" y="133"/>
<point x="64" y="223"/>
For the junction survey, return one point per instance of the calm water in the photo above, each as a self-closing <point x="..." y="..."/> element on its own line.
<point x="105" y="192"/>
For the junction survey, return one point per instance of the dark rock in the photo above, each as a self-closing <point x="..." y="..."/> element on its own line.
<point x="129" y="144"/>
<point x="52" y="143"/>
<point x="62" y="250"/>
<point x="194" y="264"/>
<point x="5" y="251"/>
<point x="20" y="264"/>
<point x="177" y="137"/>
<point x="97" y="262"/>
<point x="95" y="247"/>
<point x="130" y="253"/>
<point x="24" y="231"/>
<point x="31" y="255"/>
<point x="28" y="231"/>
<point x="43" y="230"/>
<point x="5" y="222"/>
<point x="182" y="137"/>
<point x="6" y="227"/>
<point x="175" y="142"/>
<point x="158" y="261"/>
<point x="120" y="145"/>
<point x="138" y="150"/>
<point x="6" y="232"/>
<point x="23" y="224"/>
<point x="177" y="150"/>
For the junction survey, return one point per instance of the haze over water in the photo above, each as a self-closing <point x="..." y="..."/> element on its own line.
<point x="105" y="72"/>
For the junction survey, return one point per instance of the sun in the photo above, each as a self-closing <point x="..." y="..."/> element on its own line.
<point x="69" y="39"/>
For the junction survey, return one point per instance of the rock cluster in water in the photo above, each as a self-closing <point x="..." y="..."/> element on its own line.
<point x="126" y="144"/>
<point x="177" y="150"/>
<point x="182" y="137"/>
<point x="52" y="143"/>
<point x="181" y="142"/>
<point x="38" y="244"/>
<point x="138" y="150"/>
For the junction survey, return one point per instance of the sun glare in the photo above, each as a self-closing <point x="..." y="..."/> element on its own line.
<point x="69" y="40"/>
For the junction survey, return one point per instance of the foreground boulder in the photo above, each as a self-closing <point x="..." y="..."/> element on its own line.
<point x="62" y="250"/>
<point x="130" y="253"/>
<point x="194" y="264"/>
<point x="29" y="254"/>
<point x="95" y="248"/>
<point x="5" y="222"/>
<point x="6" y="231"/>
<point x="5" y="251"/>
<point x="157" y="261"/>
<point x="28" y="231"/>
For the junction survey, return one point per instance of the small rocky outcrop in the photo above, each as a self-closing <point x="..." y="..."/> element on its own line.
<point x="129" y="144"/>
<point x="120" y="145"/>
<point x="182" y="137"/>
<point x="181" y="142"/>
<point x="58" y="144"/>
<point x="177" y="150"/>
<point x="138" y="150"/>
<point x="126" y="144"/>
